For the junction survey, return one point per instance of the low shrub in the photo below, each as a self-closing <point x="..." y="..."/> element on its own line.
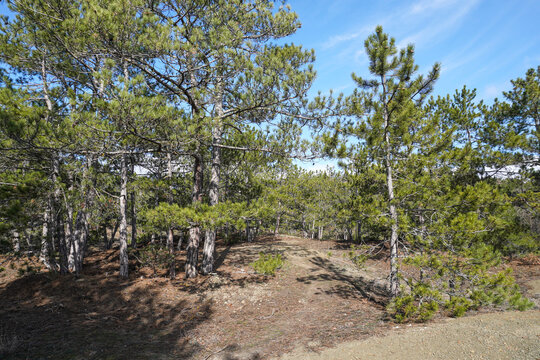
<point x="155" y="257"/>
<point x="267" y="264"/>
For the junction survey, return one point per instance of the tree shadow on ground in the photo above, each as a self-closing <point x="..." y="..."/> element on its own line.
<point x="352" y="287"/>
<point x="98" y="317"/>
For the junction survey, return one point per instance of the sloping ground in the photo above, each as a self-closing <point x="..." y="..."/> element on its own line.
<point x="508" y="335"/>
<point x="317" y="300"/>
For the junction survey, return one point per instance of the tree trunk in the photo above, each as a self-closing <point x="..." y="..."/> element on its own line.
<point x="170" y="246"/>
<point x="192" y="252"/>
<point x="276" y="230"/>
<point x="170" y="233"/>
<point x="304" y="231"/>
<point x="113" y="235"/>
<point x="105" y="236"/>
<point x="124" y="272"/>
<point x="79" y="240"/>
<point x="217" y="134"/>
<point x="57" y="219"/>
<point x="259" y="223"/>
<point x="70" y="237"/>
<point x="394" y="280"/>
<point x="77" y="237"/>
<point x="180" y="240"/>
<point x="133" y="211"/>
<point x="195" y="231"/>
<point x="45" y="251"/>
<point x="16" y="241"/>
<point x="358" y="232"/>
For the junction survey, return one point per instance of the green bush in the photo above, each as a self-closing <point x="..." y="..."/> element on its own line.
<point x="267" y="264"/>
<point x="458" y="306"/>
<point x="155" y="257"/>
<point x="357" y="254"/>
<point x="418" y="306"/>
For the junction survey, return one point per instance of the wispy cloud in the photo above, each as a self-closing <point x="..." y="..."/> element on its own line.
<point x="427" y="6"/>
<point x="339" y="39"/>
<point x="444" y="24"/>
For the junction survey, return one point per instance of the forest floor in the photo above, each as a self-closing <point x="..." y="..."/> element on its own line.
<point x="317" y="301"/>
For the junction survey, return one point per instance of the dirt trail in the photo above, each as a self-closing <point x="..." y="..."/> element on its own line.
<point x="508" y="335"/>
<point x="318" y="306"/>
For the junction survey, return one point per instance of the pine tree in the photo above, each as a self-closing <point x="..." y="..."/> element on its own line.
<point x="388" y="105"/>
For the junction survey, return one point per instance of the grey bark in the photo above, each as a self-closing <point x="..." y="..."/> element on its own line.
<point x="170" y="233"/>
<point x="195" y="231"/>
<point x="394" y="280"/>
<point x="44" y="253"/>
<point x="123" y="218"/>
<point x="105" y="236"/>
<point x="57" y="218"/>
<point x="16" y="241"/>
<point x="278" y="219"/>
<point x="110" y="240"/>
<point x="217" y="134"/>
<point x="77" y="236"/>
<point x="133" y="211"/>
<point x="180" y="240"/>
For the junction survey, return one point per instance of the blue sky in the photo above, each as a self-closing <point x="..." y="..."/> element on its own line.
<point x="480" y="43"/>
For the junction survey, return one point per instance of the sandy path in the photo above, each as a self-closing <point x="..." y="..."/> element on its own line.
<point x="508" y="335"/>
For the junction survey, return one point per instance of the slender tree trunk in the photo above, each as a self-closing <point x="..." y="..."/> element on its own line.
<point x="217" y="134"/>
<point x="70" y="237"/>
<point x="105" y="235"/>
<point x="304" y="231"/>
<point x="394" y="280"/>
<point x="195" y="231"/>
<point x="45" y="251"/>
<point x="278" y="219"/>
<point x="180" y="240"/>
<point x="358" y="232"/>
<point x="57" y="219"/>
<point x="28" y="239"/>
<point x="259" y="223"/>
<point x="170" y="233"/>
<point x="16" y="241"/>
<point x="124" y="272"/>
<point x="113" y="234"/>
<point x="133" y="210"/>
<point x="79" y="240"/>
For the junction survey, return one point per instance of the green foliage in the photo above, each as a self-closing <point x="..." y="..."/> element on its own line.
<point x="267" y="264"/>
<point x="406" y="308"/>
<point x="155" y="257"/>
<point x="457" y="284"/>
<point x="458" y="306"/>
<point x="358" y="255"/>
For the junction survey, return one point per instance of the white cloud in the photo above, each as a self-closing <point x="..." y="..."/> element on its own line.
<point x="425" y="6"/>
<point x="443" y="24"/>
<point x="352" y="35"/>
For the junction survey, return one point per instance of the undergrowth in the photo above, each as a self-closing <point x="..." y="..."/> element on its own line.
<point x="267" y="264"/>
